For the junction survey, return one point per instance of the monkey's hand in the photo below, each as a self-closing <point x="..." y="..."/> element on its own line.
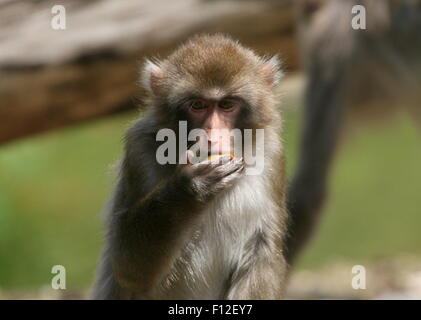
<point x="207" y="178"/>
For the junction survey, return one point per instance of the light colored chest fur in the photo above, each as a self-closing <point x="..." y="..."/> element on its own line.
<point x="218" y="245"/>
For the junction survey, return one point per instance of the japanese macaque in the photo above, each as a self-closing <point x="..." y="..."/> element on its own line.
<point x="371" y="70"/>
<point x="204" y="230"/>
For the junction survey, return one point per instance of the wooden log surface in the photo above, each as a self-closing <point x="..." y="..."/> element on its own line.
<point x="54" y="78"/>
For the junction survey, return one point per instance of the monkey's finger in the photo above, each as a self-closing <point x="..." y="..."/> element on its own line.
<point x="228" y="168"/>
<point x="201" y="168"/>
<point x="231" y="178"/>
<point x="221" y="160"/>
<point x="233" y="165"/>
<point x="238" y="168"/>
<point x="216" y="161"/>
<point x="208" y="166"/>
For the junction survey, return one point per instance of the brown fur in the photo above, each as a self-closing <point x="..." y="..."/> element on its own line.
<point x="365" y="72"/>
<point x="174" y="233"/>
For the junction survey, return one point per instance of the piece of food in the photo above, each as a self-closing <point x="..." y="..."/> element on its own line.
<point x="216" y="156"/>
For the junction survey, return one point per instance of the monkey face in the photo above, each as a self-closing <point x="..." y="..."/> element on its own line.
<point x="214" y="84"/>
<point x="216" y="71"/>
<point x="217" y="118"/>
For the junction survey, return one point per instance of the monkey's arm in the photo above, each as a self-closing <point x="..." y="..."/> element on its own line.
<point x="149" y="235"/>
<point x="323" y="115"/>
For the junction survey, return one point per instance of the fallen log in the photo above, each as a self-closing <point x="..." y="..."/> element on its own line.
<point x="54" y="78"/>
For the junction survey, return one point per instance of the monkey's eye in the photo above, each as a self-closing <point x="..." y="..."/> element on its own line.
<point x="228" y="104"/>
<point x="197" y="105"/>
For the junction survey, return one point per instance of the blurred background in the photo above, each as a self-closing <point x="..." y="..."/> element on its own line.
<point x="67" y="97"/>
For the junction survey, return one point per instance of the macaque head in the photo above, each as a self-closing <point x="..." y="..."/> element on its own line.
<point x="214" y="84"/>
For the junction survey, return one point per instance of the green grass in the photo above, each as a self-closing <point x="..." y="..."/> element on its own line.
<point x="52" y="189"/>
<point x="374" y="207"/>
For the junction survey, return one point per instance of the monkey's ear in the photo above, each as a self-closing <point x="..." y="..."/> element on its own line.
<point x="151" y="75"/>
<point x="272" y="71"/>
